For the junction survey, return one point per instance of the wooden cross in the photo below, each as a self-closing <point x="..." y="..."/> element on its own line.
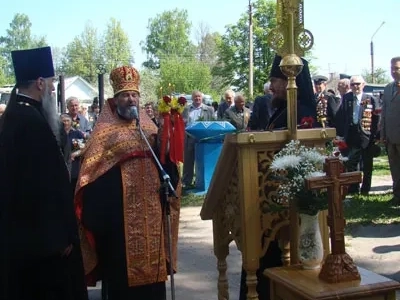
<point x="338" y="265"/>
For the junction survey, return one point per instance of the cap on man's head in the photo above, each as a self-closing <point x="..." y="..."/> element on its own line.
<point x="320" y="79"/>
<point x="124" y="79"/>
<point x="31" y="64"/>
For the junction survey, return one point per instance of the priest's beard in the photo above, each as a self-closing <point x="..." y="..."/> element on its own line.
<point x="278" y="103"/>
<point x="128" y="113"/>
<point x="50" y="113"/>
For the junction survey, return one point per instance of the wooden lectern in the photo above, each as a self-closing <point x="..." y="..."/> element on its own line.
<point x="240" y="202"/>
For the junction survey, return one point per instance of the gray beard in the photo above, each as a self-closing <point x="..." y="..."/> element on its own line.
<point x="51" y="115"/>
<point x="127" y="113"/>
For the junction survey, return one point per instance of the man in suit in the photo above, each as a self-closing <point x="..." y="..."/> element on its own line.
<point x="224" y="105"/>
<point x="262" y="110"/>
<point x="359" y="128"/>
<point x="238" y="115"/>
<point x="327" y="103"/>
<point x="197" y="111"/>
<point x="390" y="125"/>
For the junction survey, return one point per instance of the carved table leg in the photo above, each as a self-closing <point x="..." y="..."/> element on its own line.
<point x="251" y="282"/>
<point x="221" y="251"/>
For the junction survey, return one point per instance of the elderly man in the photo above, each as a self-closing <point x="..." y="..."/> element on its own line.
<point x="40" y="254"/>
<point x="360" y="125"/>
<point x="192" y="113"/>
<point x="118" y="199"/>
<point x="390" y="124"/>
<point x="79" y="122"/>
<point x="238" y="115"/>
<point x="224" y="105"/>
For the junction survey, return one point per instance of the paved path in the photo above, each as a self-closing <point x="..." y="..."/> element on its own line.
<point x="376" y="248"/>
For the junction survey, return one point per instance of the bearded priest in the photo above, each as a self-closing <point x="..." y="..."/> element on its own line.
<point x="40" y="254"/>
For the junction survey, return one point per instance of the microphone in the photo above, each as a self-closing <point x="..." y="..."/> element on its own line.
<point x="135" y="114"/>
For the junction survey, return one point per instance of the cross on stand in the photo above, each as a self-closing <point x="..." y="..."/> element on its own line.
<point x="338" y="265"/>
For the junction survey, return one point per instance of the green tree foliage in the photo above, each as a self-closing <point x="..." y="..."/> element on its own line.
<point x="233" y="59"/>
<point x="18" y="37"/>
<point x="186" y="74"/>
<point x="207" y="52"/>
<point x="169" y="35"/>
<point x="117" y="49"/>
<point x="83" y="55"/>
<point x="380" y="76"/>
<point x="149" y="85"/>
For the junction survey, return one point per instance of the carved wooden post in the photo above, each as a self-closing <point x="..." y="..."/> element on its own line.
<point x="338" y="265"/>
<point x="221" y="251"/>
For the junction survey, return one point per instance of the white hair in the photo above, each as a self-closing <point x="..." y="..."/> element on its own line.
<point x="70" y="99"/>
<point x="357" y="79"/>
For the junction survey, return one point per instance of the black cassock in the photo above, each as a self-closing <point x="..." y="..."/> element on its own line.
<point x="273" y="256"/>
<point x="37" y="220"/>
<point x="103" y="216"/>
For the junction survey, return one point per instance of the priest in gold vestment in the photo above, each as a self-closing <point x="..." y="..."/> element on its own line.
<point x="118" y="204"/>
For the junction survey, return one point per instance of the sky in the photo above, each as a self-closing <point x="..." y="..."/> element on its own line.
<point x="342" y="29"/>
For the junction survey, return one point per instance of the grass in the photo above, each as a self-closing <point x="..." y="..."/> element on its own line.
<point x="381" y="166"/>
<point x="192" y="200"/>
<point x="371" y="210"/>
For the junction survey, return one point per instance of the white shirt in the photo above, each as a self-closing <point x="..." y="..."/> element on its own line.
<point x="194" y="113"/>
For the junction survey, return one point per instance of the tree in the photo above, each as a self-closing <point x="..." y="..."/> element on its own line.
<point x="233" y="59"/>
<point x="207" y="52"/>
<point x="149" y="85"/>
<point x="18" y="37"/>
<point x="169" y="36"/>
<point x="380" y="76"/>
<point x="83" y="55"/>
<point x="117" y="49"/>
<point x="185" y="74"/>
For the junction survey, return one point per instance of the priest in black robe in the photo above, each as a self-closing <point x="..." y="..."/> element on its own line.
<point x="306" y="117"/>
<point x="40" y="254"/>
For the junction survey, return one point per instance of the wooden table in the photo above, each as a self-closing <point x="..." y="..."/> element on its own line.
<point x="294" y="283"/>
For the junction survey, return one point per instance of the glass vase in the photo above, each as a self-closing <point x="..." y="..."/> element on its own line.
<point x="311" y="250"/>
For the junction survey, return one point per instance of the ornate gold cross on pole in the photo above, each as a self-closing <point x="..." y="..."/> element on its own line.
<point x="290" y="40"/>
<point x="338" y="265"/>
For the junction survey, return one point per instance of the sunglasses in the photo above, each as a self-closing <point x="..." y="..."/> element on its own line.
<point x="355" y="83"/>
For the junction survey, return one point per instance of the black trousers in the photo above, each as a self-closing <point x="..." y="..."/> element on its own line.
<point x="361" y="159"/>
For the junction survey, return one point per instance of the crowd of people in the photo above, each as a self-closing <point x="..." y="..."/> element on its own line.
<point x="80" y="192"/>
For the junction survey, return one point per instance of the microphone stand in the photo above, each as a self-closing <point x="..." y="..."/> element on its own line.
<point x="166" y="188"/>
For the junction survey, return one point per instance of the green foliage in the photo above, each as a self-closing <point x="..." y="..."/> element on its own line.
<point x="83" y="55"/>
<point x="186" y="74"/>
<point x="149" y="85"/>
<point x="117" y="49"/>
<point x="89" y="52"/>
<point x="233" y="60"/>
<point x="380" y="76"/>
<point x="18" y="37"/>
<point x="169" y="36"/>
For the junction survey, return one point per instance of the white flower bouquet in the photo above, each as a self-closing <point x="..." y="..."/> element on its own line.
<point x="293" y="164"/>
